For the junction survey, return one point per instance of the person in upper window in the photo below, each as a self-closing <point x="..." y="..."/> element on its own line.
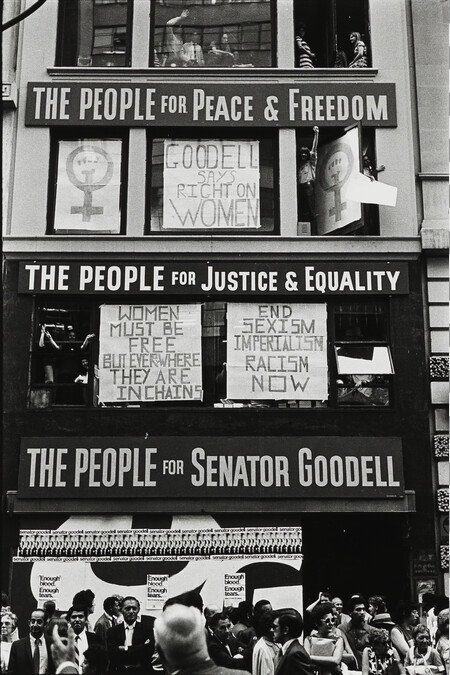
<point x="176" y="55"/>
<point x="306" y="55"/>
<point x="359" y="51"/>
<point x="306" y="177"/>
<point x="193" y="51"/>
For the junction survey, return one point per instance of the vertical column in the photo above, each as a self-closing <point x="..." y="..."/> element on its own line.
<point x="285" y="33"/>
<point x="140" y="35"/>
<point x="288" y="183"/>
<point x="136" y="187"/>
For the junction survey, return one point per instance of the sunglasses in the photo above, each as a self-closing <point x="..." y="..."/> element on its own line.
<point x="328" y="621"/>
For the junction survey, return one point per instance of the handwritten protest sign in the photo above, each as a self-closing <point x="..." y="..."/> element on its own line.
<point x="150" y="353"/>
<point x="211" y="184"/>
<point x="277" y="351"/>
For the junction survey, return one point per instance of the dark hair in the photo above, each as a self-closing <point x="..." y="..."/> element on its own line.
<point x="420" y="628"/>
<point x="321" y="610"/>
<point x="109" y="603"/>
<point x="97" y="657"/>
<point x="214" y="620"/>
<point x="259" y="605"/>
<point x="378" y="602"/>
<point x="49" y="607"/>
<point x="440" y="603"/>
<point x="379" y="635"/>
<point x="188" y="599"/>
<point x="77" y="608"/>
<point x="355" y="600"/>
<point x="244" y="609"/>
<point x="403" y="610"/>
<point x="263" y="622"/>
<point x="84" y="598"/>
<point x="293" y="622"/>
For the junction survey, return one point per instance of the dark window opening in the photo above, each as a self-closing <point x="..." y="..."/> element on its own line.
<point x="323" y="29"/>
<point x="215" y="34"/>
<point x="94" y="33"/>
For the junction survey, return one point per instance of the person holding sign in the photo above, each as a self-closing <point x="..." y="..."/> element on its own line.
<point x="306" y="179"/>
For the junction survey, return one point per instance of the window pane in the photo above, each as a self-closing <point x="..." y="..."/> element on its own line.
<point x="362" y="360"/>
<point x="366" y="390"/>
<point x="212" y="185"/>
<point x="361" y="321"/>
<point x="213" y="33"/>
<point x="88" y="186"/>
<point x="94" y="33"/>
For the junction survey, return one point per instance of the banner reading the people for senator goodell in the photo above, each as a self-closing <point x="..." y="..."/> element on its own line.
<point x="178" y="104"/>
<point x="211" y="467"/>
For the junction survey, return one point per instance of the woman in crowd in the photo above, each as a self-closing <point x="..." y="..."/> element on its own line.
<point x="406" y="617"/>
<point x="8" y="627"/>
<point x="422" y="657"/>
<point x="380" y="657"/>
<point x="325" y="645"/>
<point x="306" y="56"/>
<point x="442" y="644"/>
<point x="265" y="653"/>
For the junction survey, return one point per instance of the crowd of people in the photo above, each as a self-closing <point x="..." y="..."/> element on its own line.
<point x="189" y="637"/>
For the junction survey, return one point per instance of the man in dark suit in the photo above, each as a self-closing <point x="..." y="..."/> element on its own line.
<point x="107" y="619"/>
<point x="77" y="616"/>
<point x="294" y="658"/>
<point x="181" y="643"/>
<point x="223" y="647"/>
<point x="31" y="654"/>
<point x="130" y="644"/>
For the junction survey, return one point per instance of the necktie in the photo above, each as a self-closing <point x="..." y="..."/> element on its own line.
<point x="128" y="636"/>
<point x="77" y="652"/>
<point x="36" y="657"/>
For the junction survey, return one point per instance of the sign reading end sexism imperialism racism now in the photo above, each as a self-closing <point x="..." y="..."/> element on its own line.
<point x="150" y="353"/>
<point x="211" y="184"/>
<point x="277" y="351"/>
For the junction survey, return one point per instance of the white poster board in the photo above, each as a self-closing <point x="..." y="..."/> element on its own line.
<point x="233" y="589"/>
<point x="157" y="590"/>
<point x="211" y="184"/>
<point x="88" y="186"/>
<point x="150" y="353"/>
<point x="277" y="351"/>
<point x="338" y="162"/>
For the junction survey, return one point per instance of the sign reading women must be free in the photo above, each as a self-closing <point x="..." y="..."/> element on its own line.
<point x="150" y="353"/>
<point x="211" y="184"/>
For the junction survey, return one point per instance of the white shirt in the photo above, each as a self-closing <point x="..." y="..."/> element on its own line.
<point x="43" y="654"/>
<point x="129" y="631"/>
<point x="82" y="645"/>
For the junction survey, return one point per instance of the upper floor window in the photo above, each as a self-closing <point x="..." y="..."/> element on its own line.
<point x="331" y="34"/>
<point x="94" y="33"/>
<point x="213" y="33"/>
<point x="212" y="185"/>
<point x="87" y="195"/>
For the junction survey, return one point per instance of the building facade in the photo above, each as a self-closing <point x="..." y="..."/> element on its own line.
<point x="214" y="328"/>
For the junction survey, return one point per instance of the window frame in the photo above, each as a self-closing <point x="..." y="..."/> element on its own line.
<point x="86" y="133"/>
<point x="215" y="133"/>
<point x="273" y="38"/>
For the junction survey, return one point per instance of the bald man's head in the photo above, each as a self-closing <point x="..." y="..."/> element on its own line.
<point x="180" y="636"/>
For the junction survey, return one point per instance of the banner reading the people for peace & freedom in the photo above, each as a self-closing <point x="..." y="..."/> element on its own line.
<point x="150" y="353"/>
<point x="211" y="184"/>
<point x="277" y="351"/>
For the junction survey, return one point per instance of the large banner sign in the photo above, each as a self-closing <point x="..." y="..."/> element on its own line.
<point x="88" y="186"/>
<point x="211" y="184"/>
<point x="150" y="353"/>
<point x="178" y="104"/>
<point x="338" y="163"/>
<point x="294" y="278"/>
<point x="277" y="351"/>
<point x="211" y="467"/>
